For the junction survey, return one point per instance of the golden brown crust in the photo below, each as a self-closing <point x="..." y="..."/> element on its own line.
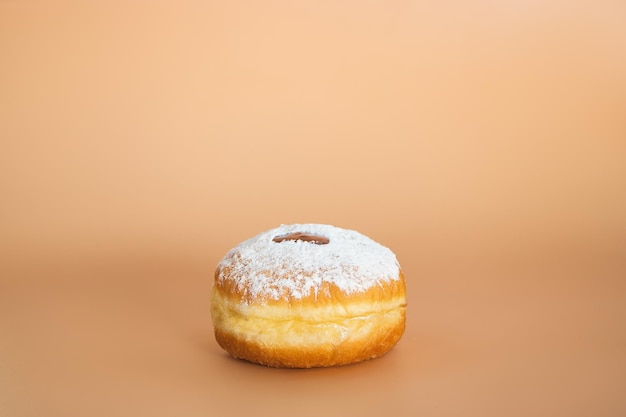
<point x="326" y="294"/>
<point x="311" y="356"/>
<point x="335" y="329"/>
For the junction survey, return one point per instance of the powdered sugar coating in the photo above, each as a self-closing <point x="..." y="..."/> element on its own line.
<point x="266" y="269"/>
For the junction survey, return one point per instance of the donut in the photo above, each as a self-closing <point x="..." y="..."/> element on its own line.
<point x="308" y="295"/>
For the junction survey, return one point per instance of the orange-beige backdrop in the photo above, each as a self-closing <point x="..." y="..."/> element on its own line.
<point x="484" y="142"/>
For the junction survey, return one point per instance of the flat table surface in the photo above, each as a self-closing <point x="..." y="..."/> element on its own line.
<point x="133" y="337"/>
<point x="484" y="144"/>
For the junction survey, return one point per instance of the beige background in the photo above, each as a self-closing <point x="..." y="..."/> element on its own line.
<point x="484" y="142"/>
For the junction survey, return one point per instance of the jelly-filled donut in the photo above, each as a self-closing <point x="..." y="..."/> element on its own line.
<point x="308" y="295"/>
